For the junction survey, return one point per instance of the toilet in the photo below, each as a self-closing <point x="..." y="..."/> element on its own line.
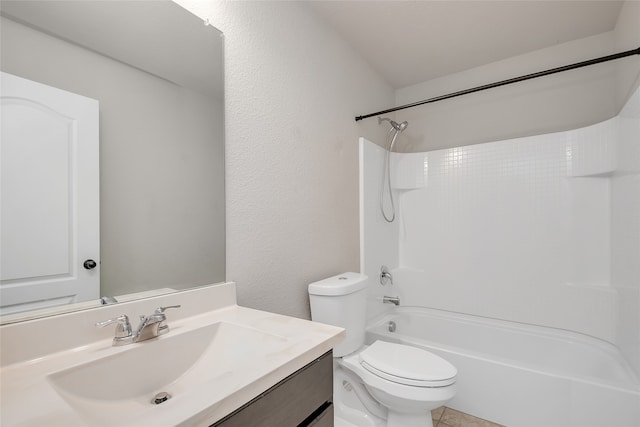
<point x="396" y="385"/>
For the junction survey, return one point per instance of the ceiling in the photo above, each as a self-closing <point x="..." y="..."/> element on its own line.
<point x="409" y="42"/>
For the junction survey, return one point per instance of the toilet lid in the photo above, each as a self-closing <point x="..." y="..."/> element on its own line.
<point x="407" y="365"/>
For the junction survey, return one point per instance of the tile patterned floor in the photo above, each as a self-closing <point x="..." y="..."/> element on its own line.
<point x="447" y="417"/>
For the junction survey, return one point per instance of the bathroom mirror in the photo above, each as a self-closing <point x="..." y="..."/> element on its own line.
<point x="156" y="71"/>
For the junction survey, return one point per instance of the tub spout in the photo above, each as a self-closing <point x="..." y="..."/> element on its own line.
<point x="391" y="300"/>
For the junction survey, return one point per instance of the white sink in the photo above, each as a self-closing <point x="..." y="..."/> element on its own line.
<point x="60" y="371"/>
<point x="118" y="389"/>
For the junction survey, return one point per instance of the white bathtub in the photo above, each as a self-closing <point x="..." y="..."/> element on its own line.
<point x="522" y="375"/>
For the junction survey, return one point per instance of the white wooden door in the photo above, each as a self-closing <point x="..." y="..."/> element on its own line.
<point x="49" y="196"/>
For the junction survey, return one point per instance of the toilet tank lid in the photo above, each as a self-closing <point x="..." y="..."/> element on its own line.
<point x="342" y="284"/>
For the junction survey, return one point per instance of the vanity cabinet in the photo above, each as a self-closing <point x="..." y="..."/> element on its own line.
<point x="305" y="398"/>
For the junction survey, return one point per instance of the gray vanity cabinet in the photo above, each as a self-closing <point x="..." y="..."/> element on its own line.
<point x="305" y="398"/>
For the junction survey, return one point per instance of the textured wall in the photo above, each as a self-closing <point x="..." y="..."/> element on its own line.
<point x="293" y="88"/>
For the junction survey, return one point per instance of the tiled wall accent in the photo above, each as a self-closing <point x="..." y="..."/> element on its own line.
<point x="502" y="230"/>
<point x="591" y="151"/>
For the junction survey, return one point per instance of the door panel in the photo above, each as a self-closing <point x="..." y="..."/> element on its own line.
<point x="49" y="196"/>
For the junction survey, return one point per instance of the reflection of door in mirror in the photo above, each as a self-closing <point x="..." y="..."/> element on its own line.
<point x="49" y="196"/>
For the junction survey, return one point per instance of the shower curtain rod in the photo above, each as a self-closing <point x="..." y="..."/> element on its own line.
<point x="508" y="81"/>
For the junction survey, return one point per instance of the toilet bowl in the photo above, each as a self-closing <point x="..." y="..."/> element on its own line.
<point x="398" y="385"/>
<point x="408" y="381"/>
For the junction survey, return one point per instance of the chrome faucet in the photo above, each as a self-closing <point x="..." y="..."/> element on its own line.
<point x="150" y="326"/>
<point x="153" y="325"/>
<point x="391" y="300"/>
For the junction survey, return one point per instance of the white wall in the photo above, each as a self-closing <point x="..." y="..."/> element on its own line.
<point x="161" y="226"/>
<point x="554" y="103"/>
<point x="378" y="239"/>
<point x="625" y="232"/>
<point x="292" y="88"/>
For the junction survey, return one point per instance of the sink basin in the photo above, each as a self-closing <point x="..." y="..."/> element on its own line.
<point x="118" y="389"/>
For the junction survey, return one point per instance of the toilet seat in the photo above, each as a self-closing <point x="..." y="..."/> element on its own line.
<point x="395" y="392"/>
<point x="407" y="365"/>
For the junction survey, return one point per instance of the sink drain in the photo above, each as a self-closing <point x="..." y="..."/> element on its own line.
<point x="163" y="396"/>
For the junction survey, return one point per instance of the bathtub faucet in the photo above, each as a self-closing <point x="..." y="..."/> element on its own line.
<point x="385" y="276"/>
<point x="391" y="300"/>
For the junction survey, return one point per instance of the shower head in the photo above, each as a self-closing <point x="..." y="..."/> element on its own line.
<point x="397" y="126"/>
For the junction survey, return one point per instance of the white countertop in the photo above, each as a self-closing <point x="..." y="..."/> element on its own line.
<point x="29" y="399"/>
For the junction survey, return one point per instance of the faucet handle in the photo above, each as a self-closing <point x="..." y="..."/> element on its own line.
<point x="161" y="310"/>
<point x="385" y="276"/>
<point x="122" y="321"/>
<point x="123" y="331"/>
<point x="163" y="328"/>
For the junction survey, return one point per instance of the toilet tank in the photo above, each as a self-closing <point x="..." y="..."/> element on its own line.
<point x="341" y="301"/>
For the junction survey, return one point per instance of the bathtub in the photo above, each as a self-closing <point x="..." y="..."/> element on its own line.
<point x="522" y="375"/>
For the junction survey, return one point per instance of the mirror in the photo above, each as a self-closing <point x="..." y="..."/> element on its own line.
<point x="156" y="71"/>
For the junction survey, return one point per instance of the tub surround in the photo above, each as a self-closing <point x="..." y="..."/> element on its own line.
<point x="517" y="230"/>
<point x="33" y="350"/>
<point x="499" y="239"/>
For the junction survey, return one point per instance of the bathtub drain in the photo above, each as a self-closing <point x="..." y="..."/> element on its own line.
<point x="391" y="326"/>
<point x="163" y="396"/>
